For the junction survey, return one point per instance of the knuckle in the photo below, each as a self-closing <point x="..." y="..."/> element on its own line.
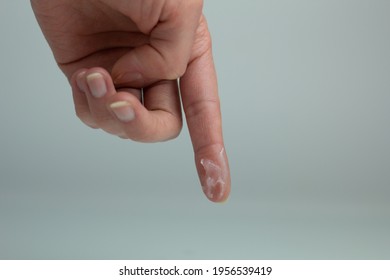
<point x="202" y="43"/>
<point x="158" y="131"/>
<point x="197" y="109"/>
<point x="175" y="131"/>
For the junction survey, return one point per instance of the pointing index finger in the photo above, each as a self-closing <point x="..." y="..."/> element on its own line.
<point x="202" y="109"/>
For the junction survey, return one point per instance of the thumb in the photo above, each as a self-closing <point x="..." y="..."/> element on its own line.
<point x="170" y="41"/>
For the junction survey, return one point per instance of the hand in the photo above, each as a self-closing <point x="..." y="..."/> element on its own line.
<point x="110" y="49"/>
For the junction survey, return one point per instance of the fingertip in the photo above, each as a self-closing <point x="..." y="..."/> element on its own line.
<point x="82" y="79"/>
<point x="76" y="73"/>
<point x="123" y="110"/>
<point x="125" y="98"/>
<point x="129" y="79"/>
<point x="76" y="80"/>
<point x="79" y="88"/>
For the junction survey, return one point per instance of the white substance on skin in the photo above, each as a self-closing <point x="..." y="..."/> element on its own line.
<point x="214" y="176"/>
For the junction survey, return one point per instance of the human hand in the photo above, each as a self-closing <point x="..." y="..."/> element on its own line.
<point x="110" y="49"/>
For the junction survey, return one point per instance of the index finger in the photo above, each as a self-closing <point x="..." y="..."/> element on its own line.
<point x="201" y="105"/>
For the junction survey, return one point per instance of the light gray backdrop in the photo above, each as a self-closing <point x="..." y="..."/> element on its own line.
<point x="305" y="89"/>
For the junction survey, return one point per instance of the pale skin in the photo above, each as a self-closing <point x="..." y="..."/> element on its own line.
<point x="110" y="49"/>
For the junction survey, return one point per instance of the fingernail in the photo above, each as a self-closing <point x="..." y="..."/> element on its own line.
<point x="123" y="111"/>
<point x="97" y="85"/>
<point x="214" y="182"/>
<point x="128" y="78"/>
<point x="80" y="82"/>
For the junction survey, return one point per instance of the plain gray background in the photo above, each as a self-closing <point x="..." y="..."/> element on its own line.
<point x="305" y="90"/>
